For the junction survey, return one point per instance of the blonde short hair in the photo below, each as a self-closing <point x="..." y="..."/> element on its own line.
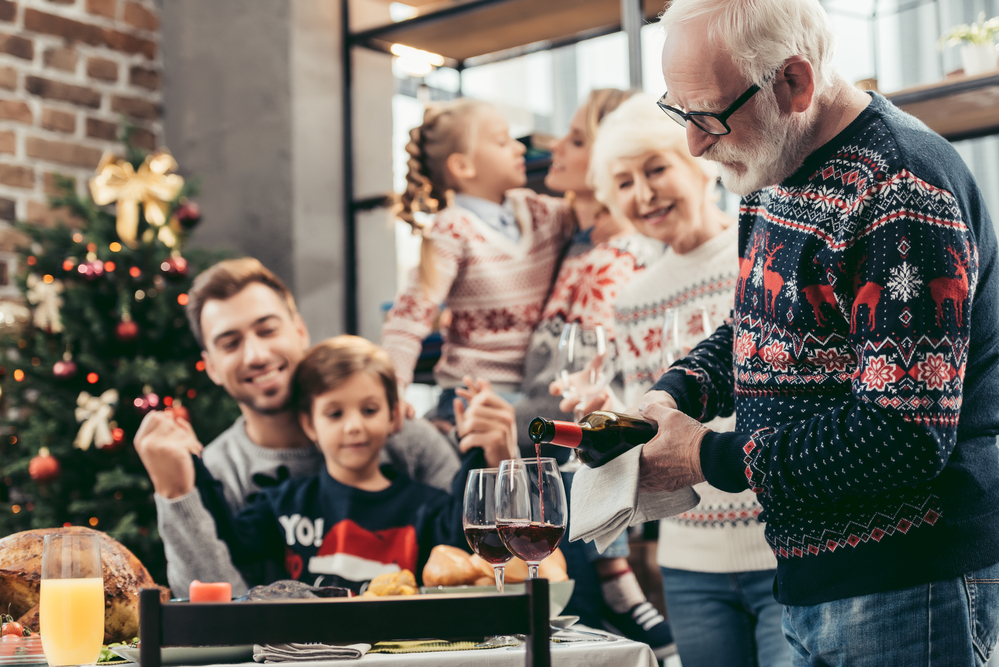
<point x="635" y="128"/>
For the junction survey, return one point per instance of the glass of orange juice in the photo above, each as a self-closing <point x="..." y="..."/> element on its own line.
<point x="71" y="608"/>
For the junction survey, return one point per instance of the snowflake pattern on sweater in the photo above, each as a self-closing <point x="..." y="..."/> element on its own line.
<point x="495" y="288"/>
<point x="849" y="398"/>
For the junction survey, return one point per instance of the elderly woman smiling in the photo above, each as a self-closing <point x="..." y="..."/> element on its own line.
<point x="718" y="570"/>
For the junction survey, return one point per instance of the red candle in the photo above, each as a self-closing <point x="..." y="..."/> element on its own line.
<point x="210" y="592"/>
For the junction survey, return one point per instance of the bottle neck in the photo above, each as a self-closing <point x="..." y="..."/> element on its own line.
<point x="565" y="434"/>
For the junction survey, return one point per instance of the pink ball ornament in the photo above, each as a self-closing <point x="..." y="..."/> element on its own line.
<point x="174" y="267"/>
<point x="91" y="270"/>
<point x="64" y="369"/>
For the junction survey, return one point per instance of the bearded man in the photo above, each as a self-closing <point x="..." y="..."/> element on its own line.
<point x="861" y="355"/>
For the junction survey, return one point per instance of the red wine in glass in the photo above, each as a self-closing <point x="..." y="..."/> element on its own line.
<point x="531" y="509"/>
<point x="485" y="541"/>
<point x="532" y="542"/>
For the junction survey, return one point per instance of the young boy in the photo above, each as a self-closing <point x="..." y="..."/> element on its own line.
<point x="353" y="520"/>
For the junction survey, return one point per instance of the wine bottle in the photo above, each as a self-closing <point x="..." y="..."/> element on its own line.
<point x="599" y="437"/>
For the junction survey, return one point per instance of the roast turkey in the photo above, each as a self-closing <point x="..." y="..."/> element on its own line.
<point x="124" y="577"/>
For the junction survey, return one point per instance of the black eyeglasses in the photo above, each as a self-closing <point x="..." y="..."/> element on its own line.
<point x="712" y="123"/>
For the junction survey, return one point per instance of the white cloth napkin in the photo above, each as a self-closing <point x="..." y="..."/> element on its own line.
<point x="605" y="501"/>
<point x="268" y="653"/>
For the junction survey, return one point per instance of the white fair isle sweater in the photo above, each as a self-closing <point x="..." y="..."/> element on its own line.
<point x="723" y="533"/>
<point x="494" y="286"/>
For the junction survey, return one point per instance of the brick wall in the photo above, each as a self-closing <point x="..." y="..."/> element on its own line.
<point x="70" y="70"/>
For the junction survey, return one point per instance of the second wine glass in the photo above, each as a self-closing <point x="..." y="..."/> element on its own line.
<point x="683" y="328"/>
<point x="479" y="521"/>
<point x="582" y="363"/>
<point x="531" y="510"/>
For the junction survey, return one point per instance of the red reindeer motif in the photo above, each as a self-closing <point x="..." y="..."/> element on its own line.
<point x="868" y="294"/>
<point x="954" y="289"/>
<point x="746" y="268"/>
<point x="818" y="295"/>
<point x="773" y="282"/>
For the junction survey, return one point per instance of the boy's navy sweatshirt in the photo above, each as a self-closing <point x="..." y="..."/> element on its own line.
<point x="863" y="365"/>
<point x="328" y="533"/>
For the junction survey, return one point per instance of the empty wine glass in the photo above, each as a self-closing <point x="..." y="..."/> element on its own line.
<point x="683" y="328"/>
<point x="582" y="364"/>
<point x="531" y="510"/>
<point x="479" y="521"/>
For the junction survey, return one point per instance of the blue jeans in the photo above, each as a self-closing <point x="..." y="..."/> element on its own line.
<point x="729" y="619"/>
<point x="946" y="623"/>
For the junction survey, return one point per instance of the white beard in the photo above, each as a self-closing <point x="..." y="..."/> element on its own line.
<point x="769" y="153"/>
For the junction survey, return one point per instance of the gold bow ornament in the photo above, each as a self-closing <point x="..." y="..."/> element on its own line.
<point x="94" y="412"/>
<point x="152" y="185"/>
<point x="44" y="293"/>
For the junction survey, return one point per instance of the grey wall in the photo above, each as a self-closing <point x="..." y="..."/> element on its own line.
<point x="227" y="119"/>
<point x="253" y="97"/>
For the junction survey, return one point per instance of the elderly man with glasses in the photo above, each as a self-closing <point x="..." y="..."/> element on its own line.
<point x="861" y="355"/>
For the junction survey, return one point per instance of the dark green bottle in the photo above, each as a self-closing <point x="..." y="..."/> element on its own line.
<point x="599" y="437"/>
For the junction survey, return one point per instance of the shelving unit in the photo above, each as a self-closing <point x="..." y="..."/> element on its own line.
<point x="957" y="108"/>
<point x="469" y="33"/>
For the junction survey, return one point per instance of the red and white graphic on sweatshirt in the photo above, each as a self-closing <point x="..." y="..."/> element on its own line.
<point x="353" y="552"/>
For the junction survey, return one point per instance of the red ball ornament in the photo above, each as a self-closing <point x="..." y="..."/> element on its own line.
<point x="44" y="467"/>
<point x="127" y="331"/>
<point x="174" y="267"/>
<point x="64" y="369"/>
<point x="188" y="215"/>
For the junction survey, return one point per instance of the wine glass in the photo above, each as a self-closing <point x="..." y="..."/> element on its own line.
<point x="71" y="604"/>
<point x="531" y="511"/>
<point x="582" y="364"/>
<point x="683" y="328"/>
<point x="479" y="521"/>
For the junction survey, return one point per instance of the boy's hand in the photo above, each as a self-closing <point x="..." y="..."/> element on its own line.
<point x="165" y="443"/>
<point x="488" y="422"/>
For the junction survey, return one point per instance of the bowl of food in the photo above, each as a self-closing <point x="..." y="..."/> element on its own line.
<point x="450" y="570"/>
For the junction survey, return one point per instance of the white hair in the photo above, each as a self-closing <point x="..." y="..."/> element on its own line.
<point x="635" y="128"/>
<point x="761" y="34"/>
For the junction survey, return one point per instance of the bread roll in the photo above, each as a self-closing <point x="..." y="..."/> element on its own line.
<point x="516" y="571"/>
<point x="482" y="566"/>
<point x="392" y="583"/>
<point x="552" y="568"/>
<point x="449" y="566"/>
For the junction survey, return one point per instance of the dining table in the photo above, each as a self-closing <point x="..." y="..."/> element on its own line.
<point x="573" y="650"/>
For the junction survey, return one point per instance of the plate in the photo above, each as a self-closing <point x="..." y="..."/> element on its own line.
<point x="559" y="592"/>
<point x="192" y="655"/>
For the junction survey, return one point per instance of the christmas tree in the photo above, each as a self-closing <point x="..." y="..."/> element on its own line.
<point x="106" y="341"/>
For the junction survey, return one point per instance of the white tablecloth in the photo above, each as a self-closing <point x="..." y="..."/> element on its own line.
<point x="619" y="653"/>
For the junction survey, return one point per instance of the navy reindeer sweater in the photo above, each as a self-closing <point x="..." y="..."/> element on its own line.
<point x="862" y="362"/>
